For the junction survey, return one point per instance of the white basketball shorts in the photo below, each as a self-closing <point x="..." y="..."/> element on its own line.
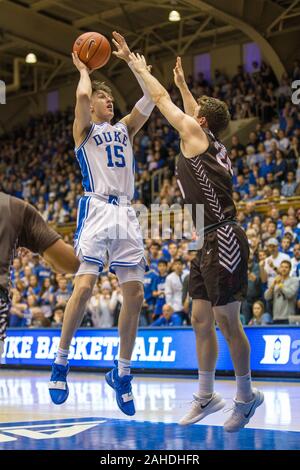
<point x="108" y="233"/>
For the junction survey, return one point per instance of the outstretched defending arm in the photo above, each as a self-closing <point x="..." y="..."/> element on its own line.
<point x="194" y="140"/>
<point x="144" y="107"/>
<point x="189" y="102"/>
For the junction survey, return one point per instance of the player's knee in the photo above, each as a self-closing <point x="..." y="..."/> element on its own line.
<point x="83" y="291"/>
<point x="228" y="328"/>
<point x="202" y="324"/>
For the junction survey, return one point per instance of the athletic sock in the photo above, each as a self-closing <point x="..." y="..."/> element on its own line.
<point x="244" y="391"/>
<point x="123" y="367"/>
<point x="62" y="357"/>
<point x="206" y="383"/>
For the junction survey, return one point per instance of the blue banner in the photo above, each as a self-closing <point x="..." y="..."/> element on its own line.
<point x="274" y="349"/>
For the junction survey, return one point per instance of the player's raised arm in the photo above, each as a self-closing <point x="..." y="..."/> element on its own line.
<point x="143" y="108"/>
<point x="194" y="140"/>
<point x="82" y="122"/>
<point x="189" y="102"/>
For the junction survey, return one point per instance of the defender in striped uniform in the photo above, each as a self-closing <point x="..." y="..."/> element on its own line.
<point x="107" y="228"/>
<point x="218" y="278"/>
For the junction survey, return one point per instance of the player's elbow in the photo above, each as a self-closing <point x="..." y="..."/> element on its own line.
<point x="160" y="96"/>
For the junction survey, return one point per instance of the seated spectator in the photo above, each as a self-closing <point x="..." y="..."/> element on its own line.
<point x="58" y="316"/>
<point x="253" y="196"/>
<point x="242" y="186"/>
<point x="19" y="314"/>
<point x="63" y="293"/>
<point x="168" y="317"/>
<point x="35" y="311"/>
<point x="259" y="316"/>
<point x="39" y="321"/>
<point x="283" y="292"/>
<point x="267" y="166"/>
<point x="47" y="297"/>
<point x="288" y="188"/>
<point x="286" y="246"/>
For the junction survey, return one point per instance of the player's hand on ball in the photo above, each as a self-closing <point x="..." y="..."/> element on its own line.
<point x="178" y="73"/>
<point x="123" y="51"/>
<point x="78" y="64"/>
<point x="139" y="62"/>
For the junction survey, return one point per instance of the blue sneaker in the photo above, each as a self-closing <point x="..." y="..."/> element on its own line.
<point x="58" y="387"/>
<point x="122" y="387"/>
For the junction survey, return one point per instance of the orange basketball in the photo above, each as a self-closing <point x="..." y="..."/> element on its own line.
<point x="93" y="50"/>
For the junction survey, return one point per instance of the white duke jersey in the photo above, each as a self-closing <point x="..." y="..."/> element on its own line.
<point x="106" y="160"/>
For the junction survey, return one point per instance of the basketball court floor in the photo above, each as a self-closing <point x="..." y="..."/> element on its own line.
<point x="90" y="419"/>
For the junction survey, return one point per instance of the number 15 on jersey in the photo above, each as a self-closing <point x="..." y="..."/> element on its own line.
<point x="115" y="156"/>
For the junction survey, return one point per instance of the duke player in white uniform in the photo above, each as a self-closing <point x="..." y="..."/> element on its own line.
<point x="107" y="227"/>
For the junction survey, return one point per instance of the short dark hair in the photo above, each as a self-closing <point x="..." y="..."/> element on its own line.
<point x="287" y="262"/>
<point x="162" y="261"/>
<point x="178" y="260"/>
<point x="59" y="307"/>
<point x="101" y="86"/>
<point x="216" y="113"/>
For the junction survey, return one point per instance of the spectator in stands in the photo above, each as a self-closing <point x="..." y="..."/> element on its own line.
<point x="288" y="188"/>
<point x="33" y="287"/>
<point x="170" y="252"/>
<point x="149" y="288"/>
<point x="253" y="196"/>
<point x="254" y="289"/>
<point x="285" y="246"/>
<point x="102" y="306"/>
<point x="154" y="256"/>
<point x="63" y="293"/>
<point x="47" y="297"/>
<point x="34" y="310"/>
<point x="159" y="288"/>
<point x="280" y="166"/>
<point x="58" y="316"/>
<point x="296" y="261"/>
<point x="269" y="269"/>
<point x="168" y="317"/>
<point x="173" y="287"/>
<point x="19" y="315"/>
<point x="283" y="292"/>
<point x="259" y="316"/>
<point x="242" y="186"/>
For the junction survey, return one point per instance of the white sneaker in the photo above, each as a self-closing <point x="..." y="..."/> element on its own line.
<point x="202" y="407"/>
<point x="242" y="412"/>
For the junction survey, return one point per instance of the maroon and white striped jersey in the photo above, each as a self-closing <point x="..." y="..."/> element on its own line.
<point x="207" y="179"/>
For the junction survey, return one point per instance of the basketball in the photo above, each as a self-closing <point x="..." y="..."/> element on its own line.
<point x="93" y="49"/>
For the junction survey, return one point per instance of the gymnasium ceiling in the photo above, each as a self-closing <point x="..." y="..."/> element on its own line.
<point x="49" y="28"/>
